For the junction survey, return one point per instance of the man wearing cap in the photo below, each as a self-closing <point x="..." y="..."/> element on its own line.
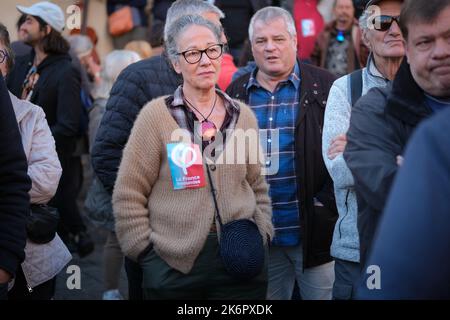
<point x="47" y="78"/>
<point x="383" y="120"/>
<point x="381" y="33"/>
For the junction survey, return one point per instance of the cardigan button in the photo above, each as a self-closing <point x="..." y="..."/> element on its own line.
<point x="212" y="167"/>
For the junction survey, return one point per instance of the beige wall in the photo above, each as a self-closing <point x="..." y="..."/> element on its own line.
<point x="97" y="19"/>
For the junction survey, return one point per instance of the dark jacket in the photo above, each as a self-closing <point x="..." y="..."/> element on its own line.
<point x="413" y="243"/>
<point x="380" y="126"/>
<point x="159" y="9"/>
<point x="138" y="84"/>
<point x="237" y="18"/>
<point x="14" y="187"/>
<point x="317" y="223"/>
<point x="57" y="92"/>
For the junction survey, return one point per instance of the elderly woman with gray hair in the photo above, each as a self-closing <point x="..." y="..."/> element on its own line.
<point x="163" y="199"/>
<point x="381" y="33"/>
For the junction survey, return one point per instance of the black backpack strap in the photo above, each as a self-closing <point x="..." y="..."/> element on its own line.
<point x="356" y="84"/>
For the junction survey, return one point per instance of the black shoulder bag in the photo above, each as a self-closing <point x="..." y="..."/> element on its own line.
<point x="42" y="223"/>
<point x="241" y="245"/>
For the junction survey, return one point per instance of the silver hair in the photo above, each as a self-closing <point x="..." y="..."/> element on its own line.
<point x="269" y="14"/>
<point x="364" y="20"/>
<point x="177" y="28"/>
<point x="80" y="44"/>
<point x="193" y="7"/>
<point x="113" y="65"/>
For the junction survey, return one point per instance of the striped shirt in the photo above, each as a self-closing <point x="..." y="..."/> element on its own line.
<point x="279" y="110"/>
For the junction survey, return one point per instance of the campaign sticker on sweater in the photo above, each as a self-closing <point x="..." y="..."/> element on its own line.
<point x="186" y="165"/>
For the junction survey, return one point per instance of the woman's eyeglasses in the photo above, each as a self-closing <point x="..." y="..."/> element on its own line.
<point x="3" y="56"/>
<point x="193" y="56"/>
<point x="384" y="22"/>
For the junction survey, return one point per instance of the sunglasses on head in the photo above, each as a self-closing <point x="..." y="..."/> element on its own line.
<point x="384" y="22"/>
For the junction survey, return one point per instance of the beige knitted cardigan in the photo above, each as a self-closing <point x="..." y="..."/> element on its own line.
<point x="177" y="222"/>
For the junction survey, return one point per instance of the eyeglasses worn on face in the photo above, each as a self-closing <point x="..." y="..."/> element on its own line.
<point x="193" y="56"/>
<point x="384" y="22"/>
<point x="3" y="56"/>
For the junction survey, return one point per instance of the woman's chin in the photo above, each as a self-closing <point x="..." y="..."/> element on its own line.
<point x="205" y="85"/>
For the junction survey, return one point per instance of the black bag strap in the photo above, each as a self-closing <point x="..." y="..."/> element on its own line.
<point x="213" y="192"/>
<point x="355" y="86"/>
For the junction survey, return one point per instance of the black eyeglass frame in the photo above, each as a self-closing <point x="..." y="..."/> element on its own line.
<point x="389" y="21"/>
<point x="204" y="51"/>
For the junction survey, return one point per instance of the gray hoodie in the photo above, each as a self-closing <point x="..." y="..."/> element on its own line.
<point x="345" y="245"/>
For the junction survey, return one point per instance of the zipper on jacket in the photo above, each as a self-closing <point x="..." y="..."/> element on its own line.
<point x="30" y="289"/>
<point x="346" y="213"/>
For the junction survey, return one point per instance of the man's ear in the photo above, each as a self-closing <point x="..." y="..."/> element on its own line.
<point x="365" y="39"/>
<point x="405" y="43"/>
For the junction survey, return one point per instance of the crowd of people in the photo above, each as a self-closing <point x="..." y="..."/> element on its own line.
<point x="324" y="127"/>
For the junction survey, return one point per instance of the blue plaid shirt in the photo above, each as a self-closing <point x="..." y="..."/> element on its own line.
<point x="279" y="110"/>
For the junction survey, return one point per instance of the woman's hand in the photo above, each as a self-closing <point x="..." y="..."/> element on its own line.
<point x="4" y="276"/>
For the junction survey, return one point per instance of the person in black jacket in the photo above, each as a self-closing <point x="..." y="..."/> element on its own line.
<point x="159" y="12"/>
<point x="412" y="245"/>
<point x="290" y="96"/>
<point x="138" y="84"/>
<point x="237" y="18"/>
<point x="47" y="78"/>
<point x="383" y="120"/>
<point x="14" y="187"/>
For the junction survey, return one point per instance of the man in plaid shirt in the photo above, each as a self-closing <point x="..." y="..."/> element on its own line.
<point x="289" y="99"/>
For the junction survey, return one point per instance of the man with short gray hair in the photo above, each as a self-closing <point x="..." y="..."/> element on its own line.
<point x="386" y="54"/>
<point x="288" y="98"/>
